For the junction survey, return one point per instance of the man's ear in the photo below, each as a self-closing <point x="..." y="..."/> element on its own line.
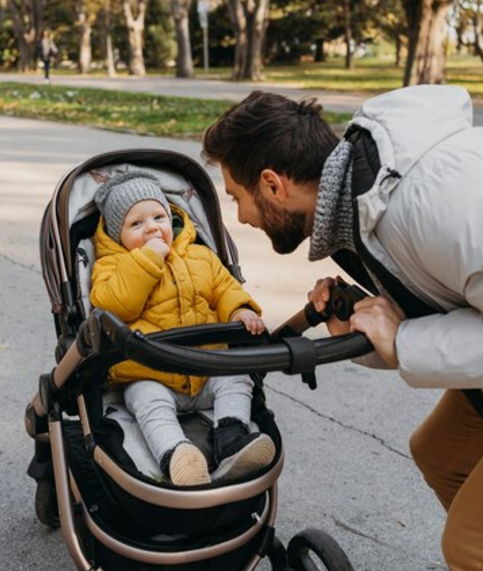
<point x="272" y="186"/>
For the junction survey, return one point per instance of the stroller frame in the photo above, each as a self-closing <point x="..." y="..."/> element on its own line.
<point x="102" y="338"/>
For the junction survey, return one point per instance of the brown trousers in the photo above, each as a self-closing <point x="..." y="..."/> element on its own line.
<point x="448" y="449"/>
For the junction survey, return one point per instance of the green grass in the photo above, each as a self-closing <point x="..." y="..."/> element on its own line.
<point x="369" y="75"/>
<point x="140" y="113"/>
<point x="118" y="110"/>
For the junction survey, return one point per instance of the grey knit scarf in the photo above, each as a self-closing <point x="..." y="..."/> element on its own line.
<point x="334" y="213"/>
<point x="333" y="222"/>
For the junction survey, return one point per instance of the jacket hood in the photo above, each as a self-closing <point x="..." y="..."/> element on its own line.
<point x="106" y="246"/>
<point x="406" y="123"/>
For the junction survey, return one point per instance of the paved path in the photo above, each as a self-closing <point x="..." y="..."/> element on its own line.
<point x="347" y="462"/>
<point x="340" y="102"/>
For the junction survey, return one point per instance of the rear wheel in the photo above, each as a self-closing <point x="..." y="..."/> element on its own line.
<point x="315" y="550"/>
<point x="46" y="507"/>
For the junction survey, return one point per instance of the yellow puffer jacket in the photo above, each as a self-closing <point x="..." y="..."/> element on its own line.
<point x="150" y="294"/>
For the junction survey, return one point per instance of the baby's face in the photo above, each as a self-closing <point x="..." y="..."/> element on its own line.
<point x="145" y="221"/>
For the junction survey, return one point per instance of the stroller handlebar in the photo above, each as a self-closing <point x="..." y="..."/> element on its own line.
<point x="283" y="356"/>
<point x="173" y="351"/>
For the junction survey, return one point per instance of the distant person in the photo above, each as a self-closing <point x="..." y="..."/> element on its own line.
<point x="47" y="51"/>
<point x="150" y="273"/>
<point x="398" y="204"/>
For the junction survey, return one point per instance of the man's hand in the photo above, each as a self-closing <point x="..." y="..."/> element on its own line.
<point x="320" y="297"/>
<point x="379" y="319"/>
<point x="159" y="246"/>
<point x="253" y="323"/>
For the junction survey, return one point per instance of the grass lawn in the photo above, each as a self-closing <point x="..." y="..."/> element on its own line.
<point x="369" y="75"/>
<point x="140" y="113"/>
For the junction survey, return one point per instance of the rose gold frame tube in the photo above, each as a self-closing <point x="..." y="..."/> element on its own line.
<point x="63" y="497"/>
<point x="181" y="557"/>
<point x="186" y="499"/>
<point x="61" y="373"/>
<point x="67" y="365"/>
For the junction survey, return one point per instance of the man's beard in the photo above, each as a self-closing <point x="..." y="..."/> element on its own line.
<point x="286" y="230"/>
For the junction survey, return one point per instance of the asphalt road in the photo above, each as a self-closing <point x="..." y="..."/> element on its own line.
<point x="347" y="462"/>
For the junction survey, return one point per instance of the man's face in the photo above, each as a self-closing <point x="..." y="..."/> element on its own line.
<point x="285" y="228"/>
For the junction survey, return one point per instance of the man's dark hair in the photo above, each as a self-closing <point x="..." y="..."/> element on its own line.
<point x="270" y="131"/>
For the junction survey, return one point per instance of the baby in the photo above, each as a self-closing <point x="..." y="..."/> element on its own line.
<point x="151" y="274"/>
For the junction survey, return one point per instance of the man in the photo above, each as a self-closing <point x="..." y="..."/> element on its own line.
<point x="398" y="204"/>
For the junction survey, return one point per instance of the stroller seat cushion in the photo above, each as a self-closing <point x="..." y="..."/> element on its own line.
<point x="197" y="427"/>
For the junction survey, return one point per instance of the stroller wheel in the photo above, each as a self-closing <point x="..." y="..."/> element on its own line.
<point x="46" y="507"/>
<point x="315" y="550"/>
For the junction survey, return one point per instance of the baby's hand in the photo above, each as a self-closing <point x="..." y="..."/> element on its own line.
<point x="250" y="320"/>
<point x="159" y="246"/>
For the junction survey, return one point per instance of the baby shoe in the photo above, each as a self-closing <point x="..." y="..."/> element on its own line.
<point x="188" y="466"/>
<point x="239" y="453"/>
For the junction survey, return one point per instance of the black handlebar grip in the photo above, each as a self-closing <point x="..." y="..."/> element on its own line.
<point x="313" y="317"/>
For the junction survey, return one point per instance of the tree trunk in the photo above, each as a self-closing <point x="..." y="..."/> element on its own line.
<point x="398" y="40"/>
<point x="239" y="23"/>
<point x="107" y="40"/>
<point x="250" y="20"/>
<point x="319" y="55"/>
<point x="184" y="60"/>
<point x="27" y="21"/>
<point x="136" y="37"/>
<point x="427" y="20"/>
<point x="348" y="35"/>
<point x="478" y="31"/>
<point x="85" y="33"/>
<point x="3" y="6"/>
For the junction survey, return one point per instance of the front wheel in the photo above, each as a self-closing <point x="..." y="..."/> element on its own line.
<point x="46" y="507"/>
<point x="315" y="550"/>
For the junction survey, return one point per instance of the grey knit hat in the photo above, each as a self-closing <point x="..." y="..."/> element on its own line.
<point x="116" y="196"/>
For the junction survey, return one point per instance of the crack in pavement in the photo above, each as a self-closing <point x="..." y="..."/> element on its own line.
<point x="378" y="439"/>
<point x="19" y="264"/>
<point x="355" y="531"/>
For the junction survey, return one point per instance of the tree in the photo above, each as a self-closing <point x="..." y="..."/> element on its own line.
<point x="250" y="20"/>
<point x="27" y="19"/>
<point x="180" y="10"/>
<point x="86" y="17"/>
<point x="105" y="24"/>
<point x="390" y="19"/>
<point x="159" y="37"/>
<point x="135" y="27"/>
<point x="3" y="7"/>
<point x="468" y="23"/>
<point x="427" y="25"/>
<point x="301" y="28"/>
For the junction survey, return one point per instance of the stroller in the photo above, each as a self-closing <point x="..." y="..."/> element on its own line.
<point x="94" y="476"/>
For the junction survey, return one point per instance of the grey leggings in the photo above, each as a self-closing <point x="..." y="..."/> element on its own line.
<point x="155" y="406"/>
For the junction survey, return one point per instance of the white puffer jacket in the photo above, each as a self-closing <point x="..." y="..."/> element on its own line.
<point x="427" y="227"/>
